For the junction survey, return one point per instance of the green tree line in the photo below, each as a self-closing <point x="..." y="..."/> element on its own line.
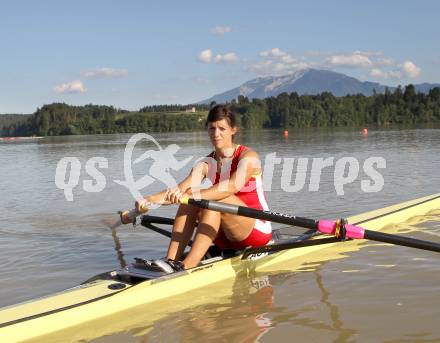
<point x="62" y="119"/>
<point x="401" y="106"/>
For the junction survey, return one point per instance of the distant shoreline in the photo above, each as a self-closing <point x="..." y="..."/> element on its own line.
<point x="285" y="111"/>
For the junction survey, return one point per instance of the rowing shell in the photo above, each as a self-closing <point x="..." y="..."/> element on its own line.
<point x="107" y="294"/>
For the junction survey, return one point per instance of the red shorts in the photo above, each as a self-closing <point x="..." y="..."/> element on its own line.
<point x="255" y="239"/>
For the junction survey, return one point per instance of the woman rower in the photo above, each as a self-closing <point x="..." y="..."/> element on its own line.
<point x="235" y="173"/>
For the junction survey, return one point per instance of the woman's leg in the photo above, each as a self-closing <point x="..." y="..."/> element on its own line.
<point x="209" y="224"/>
<point x="183" y="229"/>
<point x="236" y="228"/>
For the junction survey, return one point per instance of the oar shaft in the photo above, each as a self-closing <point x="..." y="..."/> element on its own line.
<point x="324" y="226"/>
<point x="254" y="213"/>
<point x="400" y="240"/>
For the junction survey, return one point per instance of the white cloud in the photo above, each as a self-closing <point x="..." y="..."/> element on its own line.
<point x="205" y="56"/>
<point x="277" y="62"/>
<point x="375" y="72"/>
<point x="405" y="70"/>
<point x="75" y="86"/>
<point x="230" y="57"/>
<point x="410" y="69"/>
<point x="288" y="59"/>
<point x="316" y="53"/>
<point x="262" y="67"/>
<point x="376" y="62"/>
<point x="384" y="61"/>
<point x="280" y="68"/>
<point x="275" y="52"/>
<point x="369" y="53"/>
<point x="382" y="74"/>
<point x="270" y="67"/>
<point x="221" y="30"/>
<point x="354" y="60"/>
<point x="104" y="72"/>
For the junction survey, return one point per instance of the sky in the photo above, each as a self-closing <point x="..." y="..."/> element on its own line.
<point x="130" y="54"/>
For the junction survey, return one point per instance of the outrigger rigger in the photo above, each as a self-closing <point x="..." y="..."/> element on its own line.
<point x="135" y="285"/>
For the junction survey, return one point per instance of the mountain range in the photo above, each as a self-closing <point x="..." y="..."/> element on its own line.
<point x="307" y="81"/>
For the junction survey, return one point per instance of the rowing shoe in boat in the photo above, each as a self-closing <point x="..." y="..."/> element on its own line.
<point x="123" y="289"/>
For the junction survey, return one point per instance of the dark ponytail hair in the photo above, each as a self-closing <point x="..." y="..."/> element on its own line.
<point x="219" y="112"/>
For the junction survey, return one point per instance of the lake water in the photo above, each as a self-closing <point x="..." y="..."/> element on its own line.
<point x="48" y="243"/>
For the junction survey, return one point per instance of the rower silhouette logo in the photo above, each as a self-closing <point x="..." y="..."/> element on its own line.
<point x="164" y="161"/>
<point x="68" y="171"/>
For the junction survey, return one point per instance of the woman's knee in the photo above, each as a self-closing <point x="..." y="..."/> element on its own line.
<point x="187" y="210"/>
<point x="206" y="215"/>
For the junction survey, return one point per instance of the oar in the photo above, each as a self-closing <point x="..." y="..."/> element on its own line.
<point x="125" y="217"/>
<point x="336" y="228"/>
<point x="148" y="222"/>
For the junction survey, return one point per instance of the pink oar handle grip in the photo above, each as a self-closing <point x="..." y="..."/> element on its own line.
<point x="351" y="231"/>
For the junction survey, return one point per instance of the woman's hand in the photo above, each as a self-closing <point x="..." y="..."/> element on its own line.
<point x="187" y="194"/>
<point x="174" y="195"/>
<point x="142" y="205"/>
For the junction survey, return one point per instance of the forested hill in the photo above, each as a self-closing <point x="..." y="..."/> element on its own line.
<point x="62" y="119"/>
<point x="401" y="106"/>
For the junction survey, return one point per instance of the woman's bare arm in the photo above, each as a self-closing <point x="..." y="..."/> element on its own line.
<point x="170" y="196"/>
<point x="249" y="164"/>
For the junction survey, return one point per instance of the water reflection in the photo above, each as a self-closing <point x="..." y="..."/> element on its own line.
<point x="247" y="315"/>
<point x="243" y="319"/>
<point x="343" y="334"/>
<point x="118" y="249"/>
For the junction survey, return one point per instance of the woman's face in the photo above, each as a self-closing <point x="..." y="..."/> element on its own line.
<point x="221" y="133"/>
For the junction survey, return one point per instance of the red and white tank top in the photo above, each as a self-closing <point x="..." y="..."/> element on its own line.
<point x="252" y="193"/>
